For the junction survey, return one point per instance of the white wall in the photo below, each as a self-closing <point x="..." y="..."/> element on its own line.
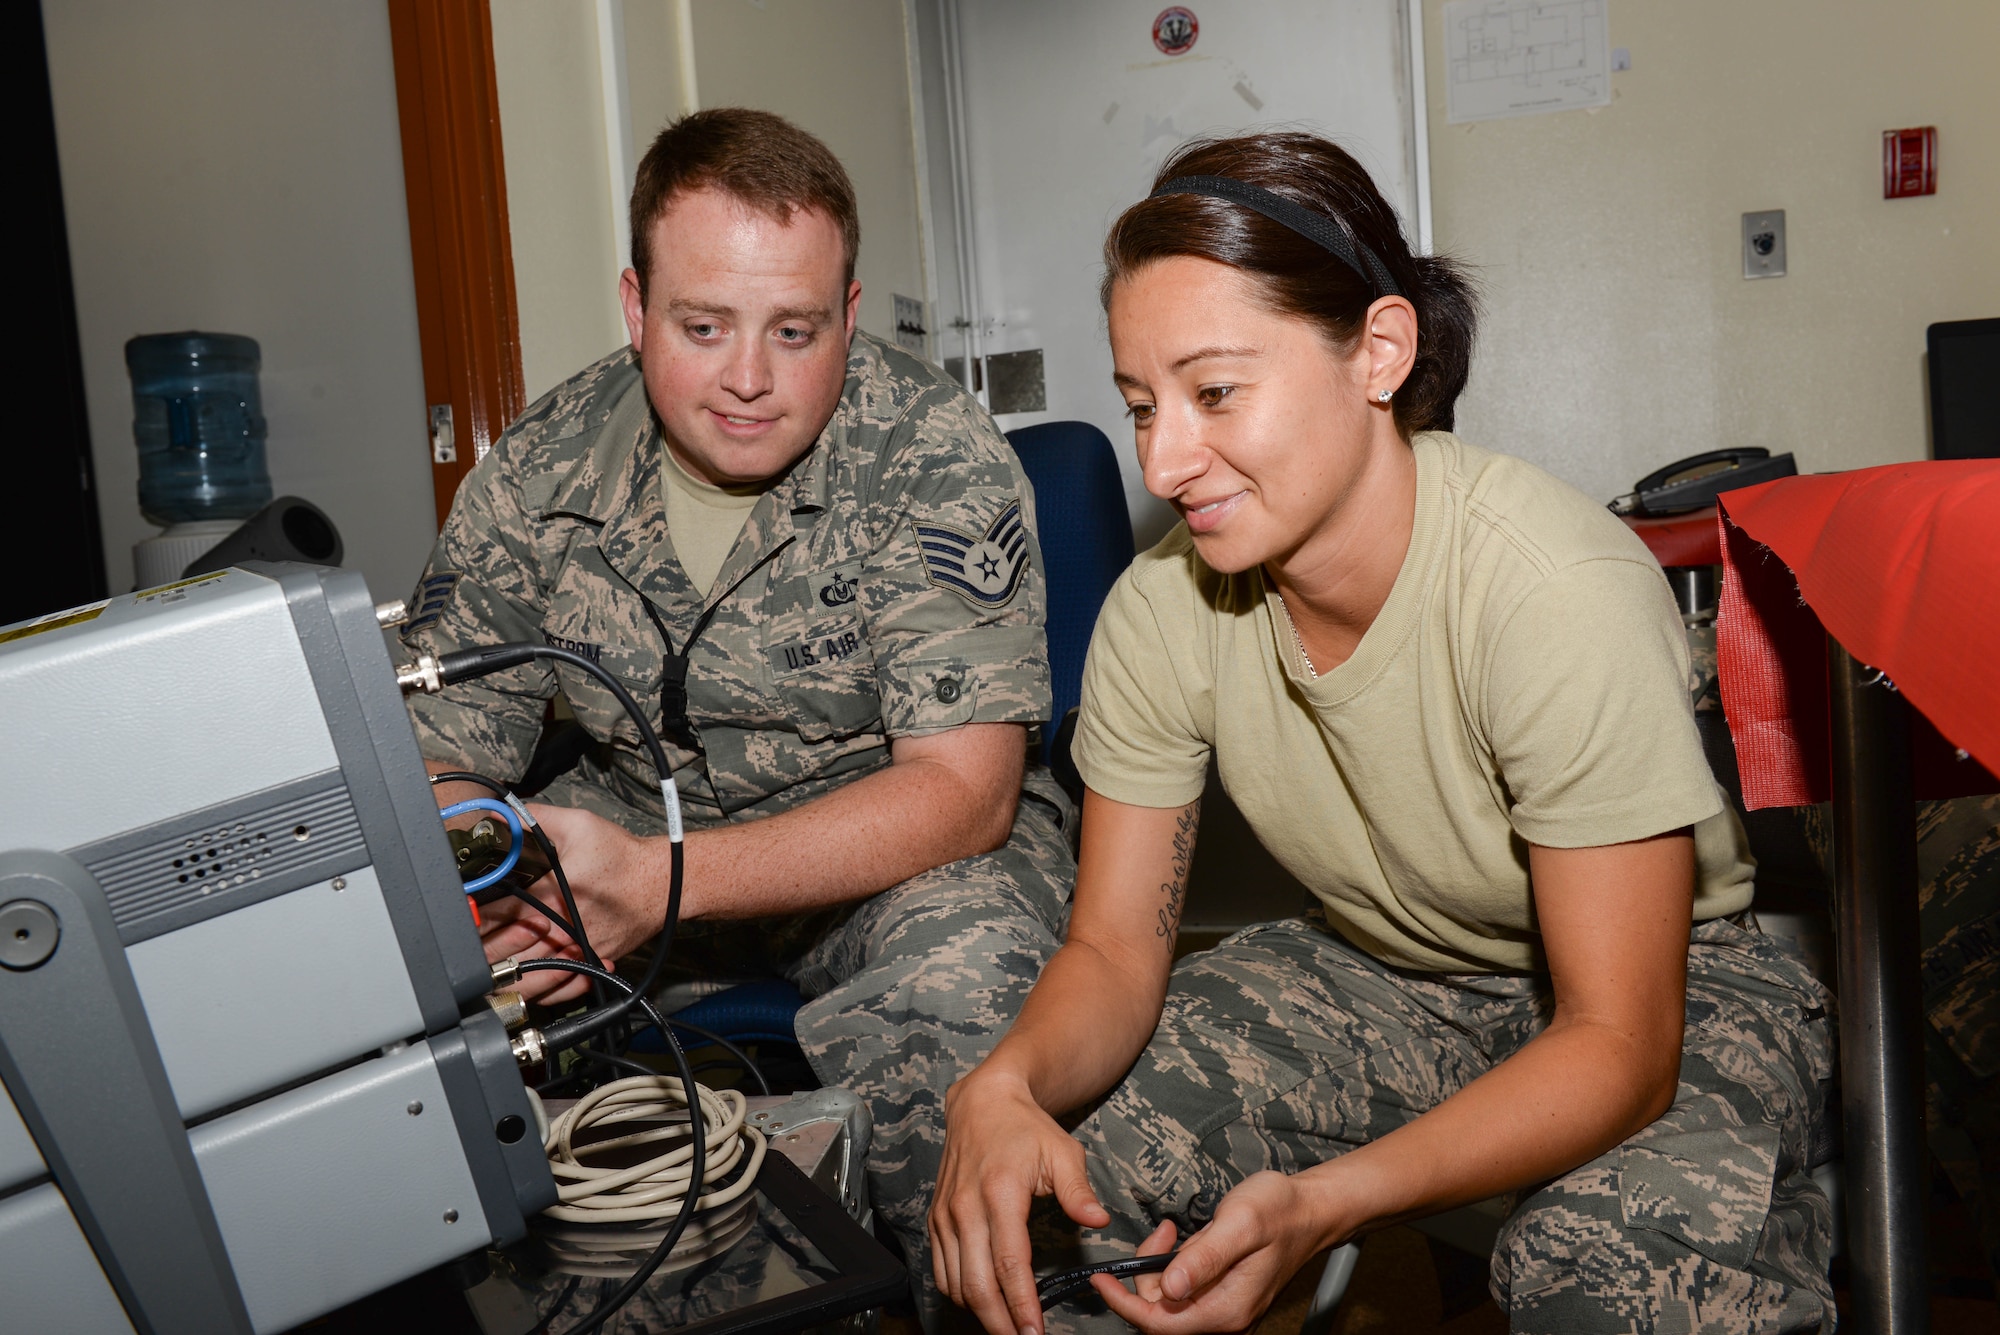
<point x="1619" y="332"/>
<point x="545" y="60"/>
<point x="1071" y="109"/>
<point x="236" y="166"/>
<point x="564" y="211"/>
<point x="837" y="70"/>
<point x="840" y="72"/>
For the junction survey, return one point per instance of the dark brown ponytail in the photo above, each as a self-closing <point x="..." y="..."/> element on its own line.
<point x="1299" y="276"/>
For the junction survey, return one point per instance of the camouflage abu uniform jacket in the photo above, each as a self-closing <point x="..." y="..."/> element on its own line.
<point x="889" y="585"/>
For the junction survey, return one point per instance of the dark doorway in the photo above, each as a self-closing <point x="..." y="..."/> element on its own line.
<point x="53" y="551"/>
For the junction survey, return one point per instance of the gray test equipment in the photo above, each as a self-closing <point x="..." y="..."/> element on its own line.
<point x="250" y="1074"/>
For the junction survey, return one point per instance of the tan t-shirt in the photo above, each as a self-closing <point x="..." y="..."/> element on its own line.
<point x="704" y="520"/>
<point x="1525" y="682"/>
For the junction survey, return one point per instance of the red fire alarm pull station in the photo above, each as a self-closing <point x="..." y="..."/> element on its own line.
<point x="1909" y="162"/>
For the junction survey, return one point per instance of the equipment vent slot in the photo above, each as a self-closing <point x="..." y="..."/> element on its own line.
<point x="219" y="859"/>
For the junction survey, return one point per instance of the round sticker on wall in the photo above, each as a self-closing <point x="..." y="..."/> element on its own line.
<point x="1175" y="29"/>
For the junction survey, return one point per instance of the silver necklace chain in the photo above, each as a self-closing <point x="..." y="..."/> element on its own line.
<point x="1298" y="639"/>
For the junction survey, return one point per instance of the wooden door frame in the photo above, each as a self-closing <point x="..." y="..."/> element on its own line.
<point x="455" y="180"/>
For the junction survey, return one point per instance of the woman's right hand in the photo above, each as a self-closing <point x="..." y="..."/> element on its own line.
<point x="1000" y="1152"/>
<point x="1084" y="1024"/>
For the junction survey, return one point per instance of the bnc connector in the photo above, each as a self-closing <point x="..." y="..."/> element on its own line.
<point x="392" y="613"/>
<point x="528" y="1048"/>
<point x="507" y="972"/>
<point x="421" y="675"/>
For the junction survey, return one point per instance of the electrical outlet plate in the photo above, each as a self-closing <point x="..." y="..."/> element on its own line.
<point x="1764" y="244"/>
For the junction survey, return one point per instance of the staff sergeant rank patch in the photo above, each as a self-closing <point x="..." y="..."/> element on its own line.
<point x="428" y="602"/>
<point x="985" y="570"/>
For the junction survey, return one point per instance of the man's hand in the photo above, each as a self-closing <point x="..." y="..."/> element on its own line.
<point x="611" y="872"/>
<point x="507" y="927"/>
<point x="943" y="797"/>
<point x="1000" y="1152"/>
<point x="1228" y="1273"/>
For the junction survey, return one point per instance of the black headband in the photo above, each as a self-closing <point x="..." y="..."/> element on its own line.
<point x="1315" y="227"/>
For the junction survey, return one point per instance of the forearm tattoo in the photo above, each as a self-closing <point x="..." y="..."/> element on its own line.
<point x="1175" y="890"/>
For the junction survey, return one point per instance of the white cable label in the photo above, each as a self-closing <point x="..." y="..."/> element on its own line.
<point x="673" y="800"/>
<point x="521" y="810"/>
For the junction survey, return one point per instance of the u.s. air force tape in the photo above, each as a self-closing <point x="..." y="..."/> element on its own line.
<point x="986" y="568"/>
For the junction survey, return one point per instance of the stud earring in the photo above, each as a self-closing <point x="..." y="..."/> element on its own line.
<point x="1385" y="395"/>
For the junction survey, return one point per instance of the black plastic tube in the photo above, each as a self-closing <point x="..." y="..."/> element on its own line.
<point x="1067" y="1284"/>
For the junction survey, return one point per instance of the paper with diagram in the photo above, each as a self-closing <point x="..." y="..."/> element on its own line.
<point x="1520" y="57"/>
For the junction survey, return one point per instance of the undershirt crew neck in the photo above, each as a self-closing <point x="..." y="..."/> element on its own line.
<point x="704" y="520"/>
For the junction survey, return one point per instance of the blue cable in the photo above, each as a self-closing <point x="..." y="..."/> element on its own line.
<point x="494" y="877"/>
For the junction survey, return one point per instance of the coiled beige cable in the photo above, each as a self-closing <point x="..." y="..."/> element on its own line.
<point x="655" y="1188"/>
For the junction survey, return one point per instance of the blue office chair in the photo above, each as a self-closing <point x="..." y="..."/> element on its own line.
<point x="761" y="1010"/>
<point x="1086" y="534"/>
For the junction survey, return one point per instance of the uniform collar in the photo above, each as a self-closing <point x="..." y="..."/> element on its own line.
<point x="797" y="502"/>
<point x="601" y="485"/>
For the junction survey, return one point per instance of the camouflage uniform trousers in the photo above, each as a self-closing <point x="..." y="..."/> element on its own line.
<point x="1285" y="1047"/>
<point x="1958" y="899"/>
<point x="908" y="991"/>
<point x="1958" y="907"/>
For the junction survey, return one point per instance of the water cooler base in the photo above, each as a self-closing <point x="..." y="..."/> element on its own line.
<point x="160" y="559"/>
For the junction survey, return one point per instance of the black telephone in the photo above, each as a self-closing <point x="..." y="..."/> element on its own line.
<point x="1693" y="482"/>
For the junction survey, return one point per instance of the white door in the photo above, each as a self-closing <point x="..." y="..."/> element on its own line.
<point x="1069" y="106"/>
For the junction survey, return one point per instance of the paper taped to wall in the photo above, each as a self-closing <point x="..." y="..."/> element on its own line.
<point x="1520" y="57"/>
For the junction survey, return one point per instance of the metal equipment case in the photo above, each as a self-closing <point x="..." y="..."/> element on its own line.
<point x="249" y="1074"/>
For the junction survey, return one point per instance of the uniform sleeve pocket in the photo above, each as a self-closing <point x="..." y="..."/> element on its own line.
<point x="930" y="694"/>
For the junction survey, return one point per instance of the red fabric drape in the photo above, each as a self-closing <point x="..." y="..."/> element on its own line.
<point x="1901" y="564"/>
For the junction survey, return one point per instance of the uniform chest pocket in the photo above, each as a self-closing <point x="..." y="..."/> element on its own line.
<point x="589" y="613"/>
<point x="818" y="654"/>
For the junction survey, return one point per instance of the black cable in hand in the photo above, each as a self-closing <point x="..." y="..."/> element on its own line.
<point x="572" y="925"/>
<point x="1065" y="1284"/>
